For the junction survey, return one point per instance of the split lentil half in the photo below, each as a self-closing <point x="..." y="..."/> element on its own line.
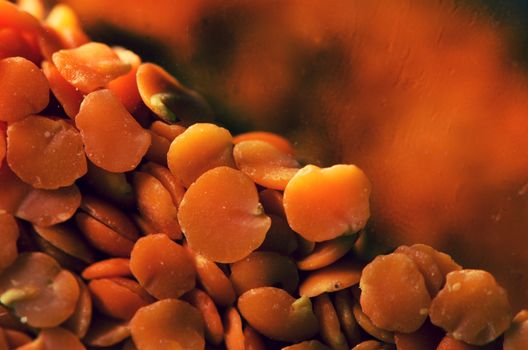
<point x="128" y="220"/>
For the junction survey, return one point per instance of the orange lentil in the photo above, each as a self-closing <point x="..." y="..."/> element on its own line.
<point x="276" y="314"/>
<point x="214" y="329"/>
<point x="272" y="201"/>
<point x="517" y="335"/>
<point x="13" y="44"/>
<point x="393" y="293"/>
<point x="322" y="204"/>
<point x="125" y="87"/>
<point x="169" y="324"/>
<point x="344" y="306"/>
<point x="90" y="66"/>
<point x="169" y="181"/>
<point x="330" y="328"/>
<point x="69" y="97"/>
<point x="162" y="177"/>
<point x="113" y="267"/>
<point x="213" y="280"/>
<point x="277" y="141"/>
<point x="63" y="19"/>
<point x="472" y="307"/>
<point x="121" y="144"/>
<point x="49" y="207"/>
<point x="235" y="225"/>
<point x="24" y="89"/>
<point x="234" y="335"/>
<point x="118" y="297"/>
<point x="449" y="343"/>
<point x="35" y="8"/>
<point x="167" y="98"/>
<point x="372" y="345"/>
<point x="107" y="332"/>
<point x="36" y="281"/>
<point x="156" y="205"/>
<point x="16" y="339"/>
<point x="338" y="276"/>
<point x="45" y="153"/>
<point x="68" y="240"/>
<point x="79" y="321"/>
<point x="110" y="215"/>
<point x="253" y="340"/>
<point x="307" y="345"/>
<point x="425" y="338"/>
<point x="2" y="144"/>
<point x="265" y="164"/>
<point x="162" y="267"/>
<point x="103" y="237"/>
<point x="200" y="148"/>
<point x="328" y="252"/>
<point x="366" y="324"/>
<point x="55" y="338"/>
<point x="167" y="131"/>
<point x="12" y="17"/>
<point x="9" y="233"/>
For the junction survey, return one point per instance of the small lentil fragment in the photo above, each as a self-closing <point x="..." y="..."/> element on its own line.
<point x="472" y="307"/>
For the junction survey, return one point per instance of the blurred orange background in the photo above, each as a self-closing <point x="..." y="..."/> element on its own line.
<point x="423" y="95"/>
